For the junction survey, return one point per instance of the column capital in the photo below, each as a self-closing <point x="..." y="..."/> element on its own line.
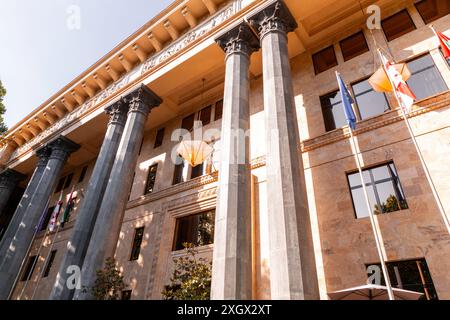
<point x="117" y="112"/>
<point x="142" y="100"/>
<point x="62" y="147"/>
<point x="10" y="178"/>
<point x="43" y="154"/>
<point x="274" y="18"/>
<point x="239" y="40"/>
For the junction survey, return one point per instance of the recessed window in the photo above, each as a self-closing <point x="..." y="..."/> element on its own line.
<point x="195" y="229"/>
<point x="60" y="185"/>
<point x="46" y="220"/>
<point x="324" y="60"/>
<point x="431" y="10"/>
<point x="412" y="275"/>
<point x="126" y="295"/>
<point x="49" y="264"/>
<point x="354" y="46"/>
<point x="369" y="102"/>
<point x="188" y="122"/>
<point x="83" y="174"/>
<point x="151" y="179"/>
<point x="205" y="115"/>
<point x="159" y="138"/>
<point x="178" y="174"/>
<point x="137" y="242"/>
<point x="332" y="110"/>
<point x="426" y="79"/>
<point x="397" y="25"/>
<point x="218" y="111"/>
<point x="384" y="190"/>
<point x="197" y="171"/>
<point x="68" y="181"/>
<point x="29" y="269"/>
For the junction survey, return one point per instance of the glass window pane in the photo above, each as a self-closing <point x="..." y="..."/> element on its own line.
<point x="205" y="115"/>
<point x="425" y="80"/>
<point x="354" y="46"/>
<point x="431" y="10"/>
<point x="159" y="138"/>
<point x="355" y="180"/>
<point x="218" y="111"/>
<point x="324" y="60"/>
<point x="333" y="111"/>
<point x="370" y="103"/>
<point x="195" y="229"/>
<point x="397" y="25"/>
<point x="359" y="202"/>
<point x="388" y="198"/>
<point x="380" y="173"/>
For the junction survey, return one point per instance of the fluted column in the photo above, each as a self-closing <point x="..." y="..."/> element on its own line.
<point x="87" y="215"/>
<point x="61" y="148"/>
<point x="292" y="264"/>
<point x="107" y="227"/>
<point x="9" y="179"/>
<point x="232" y="264"/>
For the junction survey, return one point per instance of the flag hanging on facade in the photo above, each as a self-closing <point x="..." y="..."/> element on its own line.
<point x="405" y="96"/>
<point x="69" y="207"/>
<point x="445" y="44"/>
<point x="55" y="214"/>
<point x="347" y="102"/>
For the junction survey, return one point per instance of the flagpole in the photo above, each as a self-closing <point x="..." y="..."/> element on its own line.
<point x="419" y="152"/>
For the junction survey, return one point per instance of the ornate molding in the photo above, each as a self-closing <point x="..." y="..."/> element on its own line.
<point x="43" y="154"/>
<point x="62" y="148"/>
<point x="117" y="113"/>
<point x="142" y="100"/>
<point x="239" y="40"/>
<point x="274" y="18"/>
<point x="10" y="178"/>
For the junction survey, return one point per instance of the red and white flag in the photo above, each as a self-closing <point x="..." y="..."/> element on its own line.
<point x="405" y="95"/>
<point x="55" y="214"/>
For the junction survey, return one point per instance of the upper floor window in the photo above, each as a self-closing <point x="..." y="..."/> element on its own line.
<point x="47" y="217"/>
<point x="83" y="174"/>
<point x="126" y="295"/>
<point x="426" y="79"/>
<point x="197" y="171"/>
<point x="218" y="110"/>
<point x="431" y="10"/>
<point x="195" y="229"/>
<point x="151" y="179"/>
<point x="137" y="242"/>
<point x="188" y="122"/>
<point x="397" y="25"/>
<point x="159" y="138"/>
<point x="178" y="174"/>
<point x="354" y="46"/>
<point x="369" y="102"/>
<point x="383" y="188"/>
<point x="49" y="264"/>
<point x="205" y="115"/>
<point x="332" y="110"/>
<point x="324" y="60"/>
<point x="29" y="269"/>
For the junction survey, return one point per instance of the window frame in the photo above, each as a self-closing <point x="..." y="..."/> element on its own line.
<point x="350" y="37"/>
<point x="416" y="6"/>
<point x="322" y="51"/>
<point x="83" y="174"/>
<point x="357" y="108"/>
<point x="136" y="244"/>
<point x="153" y="181"/>
<point x="159" y="138"/>
<point x="175" y="247"/>
<point x="27" y="274"/>
<point x="49" y="263"/>
<point x="389" y="39"/>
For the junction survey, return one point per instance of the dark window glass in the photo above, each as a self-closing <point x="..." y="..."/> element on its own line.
<point x="151" y="179"/>
<point x="159" y="138"/>
<point x="141" y="145"/>
<point x="197" y="171"/>
<point x="383" y="188"/>
<point x="397" y="25"/>
<point x="195" y="229"/>
<point x="48" y="265"/>
<point x="131" y="188"/>
<point x="137" y="242"/>
<point x="126" y="295"/>
<point x="412" y="275"/>
<point x="219" y="110"/>
<point x="188" y="122"/>
<point x="425" y="78"/>
<point x="333" y="111"/>
<point x="83" y="174"/>
<point x="205" y="115"/>
<point x="47" y="218"/>
<point x="354" y="46"/>
<point x="60" y="185"/>
<point x="68" y="181"/>
<point x="29" y="269"/>
<point x="370" y="103"/>
<point x="178" y="173"/>
<point x="431" y="10"/>
<point x="324" y="60"/>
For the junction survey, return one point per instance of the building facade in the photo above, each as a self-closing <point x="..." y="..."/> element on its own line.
<point x="278" y="205"/>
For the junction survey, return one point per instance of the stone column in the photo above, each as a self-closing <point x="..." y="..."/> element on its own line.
<point x="109" y="220"/>
<point x="292" y="263"/>
<point x="232" y="257"/>
<point x="43" y="154"/>
<point x="18" y="246"/>
<point x="87" y="215"/>
<point x="9" y="179"/>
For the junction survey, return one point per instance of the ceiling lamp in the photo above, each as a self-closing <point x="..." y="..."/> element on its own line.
<point x="380" y="81"/>
<point x="194" y="152"/>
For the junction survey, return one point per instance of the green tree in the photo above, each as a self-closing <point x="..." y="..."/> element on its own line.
<point x="3" y="127"/>
<point x="191" y="279"/>
<point x="109" y="283"/>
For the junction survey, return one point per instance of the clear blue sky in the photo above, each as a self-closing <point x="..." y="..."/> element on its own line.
<point x="42" y="50"/>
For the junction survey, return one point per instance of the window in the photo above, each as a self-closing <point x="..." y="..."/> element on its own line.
<point x="425" y="78"/>
<point x="397" y="25"/>
<point x="159" y="138"/>
<point x="383" y="188"/>
<point x="370" y="103"/>
<point x="60" y="185"/>
<point x="431" y="10"/>
<point x="354" y="46"/>
<point x="412" y="275"/>
<point x="83" y="174"/>
<point x="333" y="111"/>
<point x="179" y="170"/>
<point x="126" y="295"/>
<point x="137" y="241"/>
<point x="31" y="264"/>
<point x="47" y="218"/>
<point x="48" y="265"/>
<point x="195" y="229"/>
<point x="131" y="188"/>
<point x="219" y="110"/>
<point x="151" y="178"/>
<point x="188" y="122"/>
<point x="197" y="171"/>
<point x="205" y="115"/>
<point x="68" y="181"/>
<point x="324" y="60"/>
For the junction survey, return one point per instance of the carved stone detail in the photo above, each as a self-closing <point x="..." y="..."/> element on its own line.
<point x="62" y="148"/>
<point x="117" y="112"/>
<point x="142" y="100"/>
<point x="239" y="40"/>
